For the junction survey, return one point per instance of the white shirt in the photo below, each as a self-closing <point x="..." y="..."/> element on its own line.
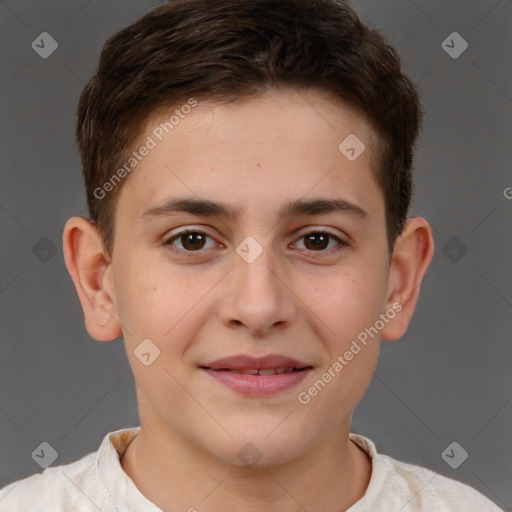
<point x="97" y="482"/>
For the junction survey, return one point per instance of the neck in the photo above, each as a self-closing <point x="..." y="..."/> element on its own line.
<point x="174" y="474"/>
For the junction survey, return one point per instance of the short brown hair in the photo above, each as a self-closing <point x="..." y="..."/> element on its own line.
<point x="227" y="49"/>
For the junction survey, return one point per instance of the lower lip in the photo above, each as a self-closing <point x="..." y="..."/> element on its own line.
<point x="259" y="385"/>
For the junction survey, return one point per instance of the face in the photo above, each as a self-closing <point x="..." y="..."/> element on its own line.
<point x="282" y="276"/>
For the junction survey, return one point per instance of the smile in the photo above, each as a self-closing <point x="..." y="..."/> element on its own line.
<point x="259" y="383"/>
<point x="270" y="371"/>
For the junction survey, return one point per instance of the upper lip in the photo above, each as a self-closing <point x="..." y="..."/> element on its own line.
<point x="246" y="362"/>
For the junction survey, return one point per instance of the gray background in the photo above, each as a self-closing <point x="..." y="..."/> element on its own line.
<point x="448" y="379"/>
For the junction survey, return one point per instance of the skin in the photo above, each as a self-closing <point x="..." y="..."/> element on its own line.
<point x="297" y="299"/>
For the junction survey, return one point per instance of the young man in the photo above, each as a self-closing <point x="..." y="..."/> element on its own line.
<point x="248" y="174"/>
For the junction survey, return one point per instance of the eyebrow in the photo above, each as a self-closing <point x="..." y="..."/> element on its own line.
<point x="208" y="208"/>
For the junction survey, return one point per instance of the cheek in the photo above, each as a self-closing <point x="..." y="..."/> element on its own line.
<point x="347" y="301"/>
<point x="348" y="305"/>
<point x="162" y="303"/>
<point x="142" y="300"/>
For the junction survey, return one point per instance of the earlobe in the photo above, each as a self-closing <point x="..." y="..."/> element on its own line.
<point x="90" y="269"/>
<point x="411" y="257"/>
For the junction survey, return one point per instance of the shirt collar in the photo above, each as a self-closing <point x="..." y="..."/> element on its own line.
<point x="121" y="489"/>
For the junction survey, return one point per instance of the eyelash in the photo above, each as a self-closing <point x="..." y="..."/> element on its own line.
<point x="341" y="244"/>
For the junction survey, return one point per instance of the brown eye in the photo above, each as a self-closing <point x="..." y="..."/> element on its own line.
<point x="190" y="240"/>
<point x="318" y="241"/>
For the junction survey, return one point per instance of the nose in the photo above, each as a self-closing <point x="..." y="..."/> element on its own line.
<point x="258" y="295"/>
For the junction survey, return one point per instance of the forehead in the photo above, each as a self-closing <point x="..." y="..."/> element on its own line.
<point x="280" y="145"/>
<point x="310" y="116"/>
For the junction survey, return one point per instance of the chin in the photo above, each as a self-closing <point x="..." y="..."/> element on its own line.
<point x="264" y="447"/>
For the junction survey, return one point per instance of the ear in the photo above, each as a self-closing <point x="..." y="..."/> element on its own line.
<point x="411" y="257"/>
<point x="90" y="269"/>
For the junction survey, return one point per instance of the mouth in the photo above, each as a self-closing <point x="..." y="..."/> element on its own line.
<point x="258" y="371"/>
<point x="255" y="376"/>
<point x="252" y="365"/>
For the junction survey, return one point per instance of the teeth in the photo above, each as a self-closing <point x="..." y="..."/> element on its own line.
<point x="267" y="372"/>
<point x="270" y="371"/>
